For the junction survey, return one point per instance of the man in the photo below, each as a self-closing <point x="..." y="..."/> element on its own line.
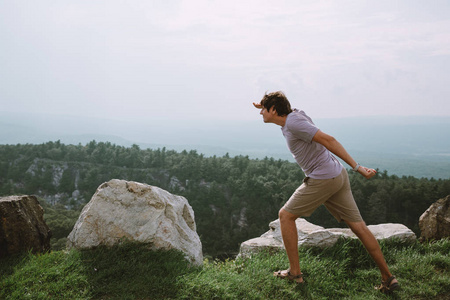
<point x="326" y="183"/>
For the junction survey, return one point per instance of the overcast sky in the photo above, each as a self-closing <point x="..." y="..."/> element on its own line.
<point x="173" y="60"/>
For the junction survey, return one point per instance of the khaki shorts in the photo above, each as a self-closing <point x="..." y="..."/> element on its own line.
<point x="334" y="193"/>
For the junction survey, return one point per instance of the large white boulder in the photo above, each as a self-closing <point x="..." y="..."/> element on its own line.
<point x="313" y="235"/>
<point x="137" y="212"/>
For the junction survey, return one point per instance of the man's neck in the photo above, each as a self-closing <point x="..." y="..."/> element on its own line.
<point x="281" y="121"/>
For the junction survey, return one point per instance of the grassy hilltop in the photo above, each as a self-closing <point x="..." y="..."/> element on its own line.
<point x="130" y="271"/>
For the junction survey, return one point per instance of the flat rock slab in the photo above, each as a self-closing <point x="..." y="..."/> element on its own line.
<point x="311" y="235"/>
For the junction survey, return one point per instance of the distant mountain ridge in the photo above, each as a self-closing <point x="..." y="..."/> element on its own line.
<point x="417" y="146"/>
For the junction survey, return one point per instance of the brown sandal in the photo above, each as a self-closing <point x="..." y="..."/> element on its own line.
<point x="387" y="286"/>
<point x="288" y="276"/>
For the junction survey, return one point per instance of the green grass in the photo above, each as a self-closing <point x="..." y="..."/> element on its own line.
<point x="131" y="271"/>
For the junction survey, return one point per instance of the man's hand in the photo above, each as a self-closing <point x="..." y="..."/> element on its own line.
<point x="366" y="172"/>
<point x="257" y="105"/>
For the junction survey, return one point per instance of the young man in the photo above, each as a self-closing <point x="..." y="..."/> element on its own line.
<point x="326" y="183"/>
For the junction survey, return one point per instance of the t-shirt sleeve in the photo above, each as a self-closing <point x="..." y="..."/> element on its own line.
<point x="302" y="129"/>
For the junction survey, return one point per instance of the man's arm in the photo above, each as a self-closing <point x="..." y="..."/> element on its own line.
<point x="336" y="148"/>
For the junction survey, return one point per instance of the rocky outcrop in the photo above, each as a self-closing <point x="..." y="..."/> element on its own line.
<point x="22" y="226"/>
<point x="137" y="212"/>
<point x="313" y="235"/>
<point x="434" y="223"/>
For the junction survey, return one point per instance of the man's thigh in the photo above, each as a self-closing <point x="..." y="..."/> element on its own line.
<point x="311" y="194"/>
<point x="342" y="205"/>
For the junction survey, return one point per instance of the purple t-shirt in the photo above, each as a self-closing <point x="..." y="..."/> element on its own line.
<point x="314" y="159"/>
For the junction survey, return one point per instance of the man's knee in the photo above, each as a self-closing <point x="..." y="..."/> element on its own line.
<point x="286" y="216"/>
<point x="282" y="213"/>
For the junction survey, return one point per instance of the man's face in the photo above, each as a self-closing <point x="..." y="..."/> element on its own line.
<point x="268" y="114"/>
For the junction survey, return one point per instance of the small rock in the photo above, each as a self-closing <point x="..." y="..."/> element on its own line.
<point x="22" y="226"/>
<point x="434" y="223"/>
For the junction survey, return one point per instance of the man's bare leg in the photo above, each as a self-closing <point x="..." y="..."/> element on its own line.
<point x="372" y="246"/>
<point x="290" y="240"/>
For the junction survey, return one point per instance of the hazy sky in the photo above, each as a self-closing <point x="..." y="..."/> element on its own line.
<point x="173" y="60"/>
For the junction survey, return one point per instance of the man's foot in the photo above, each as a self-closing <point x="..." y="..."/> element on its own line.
<point x="388" y="286"/>
<point x="286" y="274"/>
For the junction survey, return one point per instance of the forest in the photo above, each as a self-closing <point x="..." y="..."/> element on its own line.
<point x="233" y="198"/>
